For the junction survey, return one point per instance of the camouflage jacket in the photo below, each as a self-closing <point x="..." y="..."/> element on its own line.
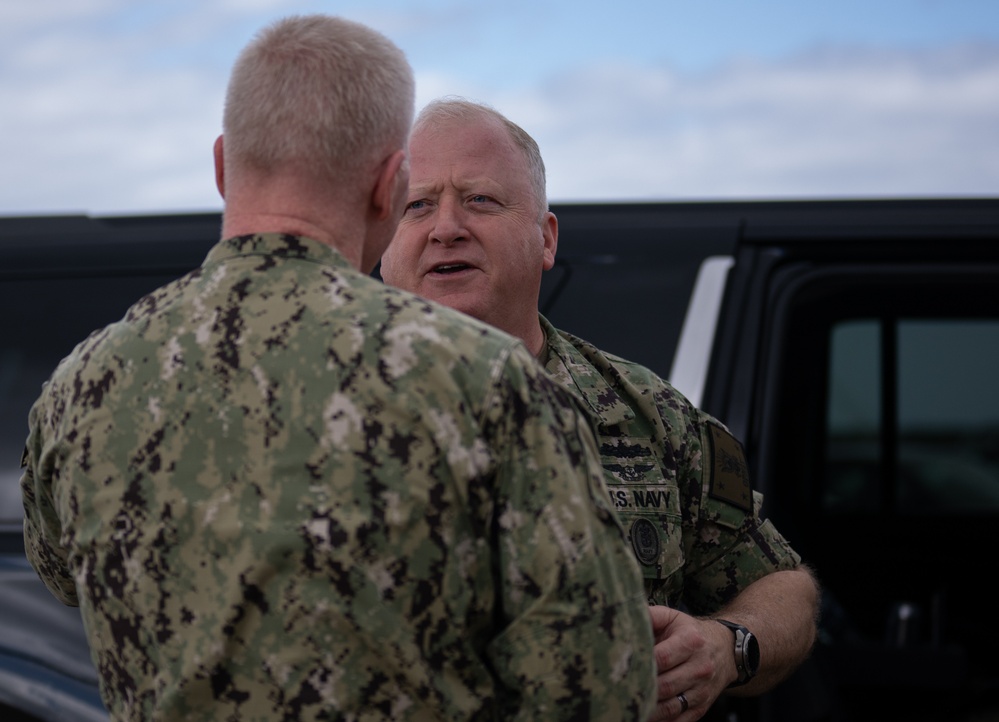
<point x="677" y="478"/>
<point x="279" y="490"/>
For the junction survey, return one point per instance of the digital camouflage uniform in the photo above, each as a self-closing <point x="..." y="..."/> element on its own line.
<point x="280" y="490"/>
<point x="677" y="478"/>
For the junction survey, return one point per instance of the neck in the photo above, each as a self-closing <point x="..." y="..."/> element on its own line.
<point x="535" y="339"/>
<point x="281" y="205"/>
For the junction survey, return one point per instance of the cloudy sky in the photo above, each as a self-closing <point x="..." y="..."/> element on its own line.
<point x="112" y="106"/>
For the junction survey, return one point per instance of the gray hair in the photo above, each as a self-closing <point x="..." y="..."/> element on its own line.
<point x="322" y="93"/>
<point x="452" y="108"/>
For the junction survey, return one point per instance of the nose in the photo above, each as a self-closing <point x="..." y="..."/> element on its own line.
<point x="449" y="223"/>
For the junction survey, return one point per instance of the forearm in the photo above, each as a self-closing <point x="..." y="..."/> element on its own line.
<point x="781" y="610"/>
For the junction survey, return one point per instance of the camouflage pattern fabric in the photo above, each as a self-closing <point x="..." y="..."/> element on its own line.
<point x="677" y="478"/>
<point x="279" y="490"/>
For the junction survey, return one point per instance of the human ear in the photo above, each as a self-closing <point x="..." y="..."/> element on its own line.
<point x="391" y="186"/>
<point x="549" y="231"/>
<point x="219" y="167"/>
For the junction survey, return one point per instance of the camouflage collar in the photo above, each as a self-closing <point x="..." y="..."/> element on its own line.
<point x="575" y="364"/>
<point x="282" y="245"/>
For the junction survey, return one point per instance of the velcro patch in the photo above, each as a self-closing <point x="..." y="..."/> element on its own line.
<point x="729" y="472"/>
<point x="645" y="541"/>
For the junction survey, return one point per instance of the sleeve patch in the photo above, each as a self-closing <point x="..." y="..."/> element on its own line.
<point x="729" y="473"/>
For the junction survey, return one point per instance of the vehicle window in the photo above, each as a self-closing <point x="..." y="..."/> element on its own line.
<point x="912" y="402"/>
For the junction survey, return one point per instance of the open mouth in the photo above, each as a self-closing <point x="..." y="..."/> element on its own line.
<point x="447" y="268"/>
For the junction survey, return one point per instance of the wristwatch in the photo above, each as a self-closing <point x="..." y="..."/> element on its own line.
<point x="747" y="652"/>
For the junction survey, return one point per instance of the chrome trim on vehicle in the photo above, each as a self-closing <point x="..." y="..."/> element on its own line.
<point x="690" y="362"/>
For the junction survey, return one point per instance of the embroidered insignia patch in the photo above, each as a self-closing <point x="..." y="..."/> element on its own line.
<point x="729" y="473"/>
<point x="645" y="541"/>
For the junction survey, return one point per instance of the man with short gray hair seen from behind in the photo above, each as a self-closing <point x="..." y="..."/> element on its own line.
<point x="280" y="490"/>
<point x="477" y="235"/>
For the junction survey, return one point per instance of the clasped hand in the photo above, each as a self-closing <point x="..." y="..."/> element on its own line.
<point x="694" y="663"/>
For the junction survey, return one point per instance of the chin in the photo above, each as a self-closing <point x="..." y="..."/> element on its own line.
<point x="468" y="308"/>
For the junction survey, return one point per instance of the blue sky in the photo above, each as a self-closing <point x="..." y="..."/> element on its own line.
<point x="111" y="106"/>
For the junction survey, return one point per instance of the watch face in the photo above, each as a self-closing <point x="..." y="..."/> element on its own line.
<point x="752" y="654"/>
<point x="747" y="652"/>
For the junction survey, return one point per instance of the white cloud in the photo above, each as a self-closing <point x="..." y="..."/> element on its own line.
<point x="831" y="123"/>
<point x="124" y="121"/>
<point x="99" y="120"/>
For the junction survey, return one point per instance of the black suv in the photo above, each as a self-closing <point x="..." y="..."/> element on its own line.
<point x="852" y="346"/>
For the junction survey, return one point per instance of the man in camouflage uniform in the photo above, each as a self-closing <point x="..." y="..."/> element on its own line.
<point x="279" y="490"/>
<point x="477" y="235"/>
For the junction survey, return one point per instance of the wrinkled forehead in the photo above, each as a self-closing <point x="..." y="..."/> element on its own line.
<point x="467" y="149"/>
<point x="478" y="130"/>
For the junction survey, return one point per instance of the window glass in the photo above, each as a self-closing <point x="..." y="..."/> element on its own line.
<point x="940" y="441"/>
<point x="948" y="416"/>
<point x="854" y="417"/>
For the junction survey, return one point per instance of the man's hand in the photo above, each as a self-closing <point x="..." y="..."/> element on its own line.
<point x="694" y="658"/>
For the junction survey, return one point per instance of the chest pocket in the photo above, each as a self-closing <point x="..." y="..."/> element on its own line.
<point x="647" y="501"/>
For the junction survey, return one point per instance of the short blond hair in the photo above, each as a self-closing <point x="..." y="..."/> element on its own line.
<point x="320" y="93"/>
<point x="454" y="108"/>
